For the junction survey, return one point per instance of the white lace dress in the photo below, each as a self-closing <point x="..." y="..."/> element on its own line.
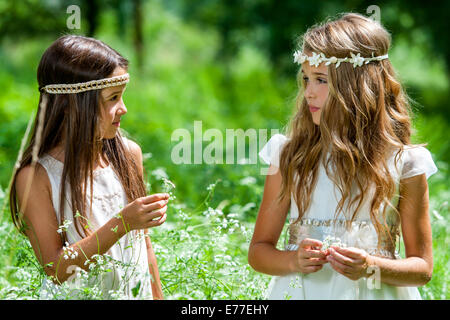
<point x="319" y="222"/>
<point x="126" y="273"/>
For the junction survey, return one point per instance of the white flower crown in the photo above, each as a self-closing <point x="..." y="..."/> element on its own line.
<point x="318" y="58"/>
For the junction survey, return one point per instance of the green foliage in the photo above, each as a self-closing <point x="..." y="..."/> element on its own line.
<point x="202" y="255"/>
<point x="187" y="76"/>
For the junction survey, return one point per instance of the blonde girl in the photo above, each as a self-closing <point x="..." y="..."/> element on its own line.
<point x="348" y="174"/>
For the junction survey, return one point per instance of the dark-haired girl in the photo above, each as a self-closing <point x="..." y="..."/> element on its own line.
<point x="78" y="192"/>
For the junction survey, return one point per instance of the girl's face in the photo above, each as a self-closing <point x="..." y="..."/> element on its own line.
<point x="316" y="88"/>
<point x="112" y="107"/>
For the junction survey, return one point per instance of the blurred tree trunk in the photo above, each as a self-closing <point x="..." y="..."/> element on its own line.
<point x="92" y="12"/>
<point x="138" y="38"/>
<point x="122" y="13"/>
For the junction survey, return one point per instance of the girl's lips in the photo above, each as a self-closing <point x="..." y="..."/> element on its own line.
<point x="313" y="109"/>
<point x="117" y="124"/>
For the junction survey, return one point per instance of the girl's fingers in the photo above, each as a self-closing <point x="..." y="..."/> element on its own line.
<point x="310" y="243"/>
<point x="316" y="262"/>
<point x="334" y="265"/>
<point x="313" y="254"/>
<point x="154" y="206"/>
<point x="311" y="269"/>
<point x="160" y="221"/>
<point x="339" y="267"/>
<point x="349" y="252"/>
<point x="342" y="259"/>
<point x="155" y="197"/>
<point x="156" y="213"/>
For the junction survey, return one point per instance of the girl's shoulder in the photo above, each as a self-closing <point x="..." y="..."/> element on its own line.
<point x="270" y="152"/>
<point x="134" y="149"/>
<point x="34" y="178"/>
<point x="417" y="160"/>
<point x="132" y="146"/>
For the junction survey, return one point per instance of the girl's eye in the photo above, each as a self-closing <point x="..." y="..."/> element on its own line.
<point x="320" y="80"/>
<point x="114" y="98"/>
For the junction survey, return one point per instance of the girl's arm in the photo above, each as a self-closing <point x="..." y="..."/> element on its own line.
<point x="42" y="225"/>
<point x="416" y="269"/>
<point x="152" y="263"/>
<point x="263" y="255"/>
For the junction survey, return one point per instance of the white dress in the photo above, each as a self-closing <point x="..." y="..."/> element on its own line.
<point x="319" y="222"/>
<point x="129" y="276"/>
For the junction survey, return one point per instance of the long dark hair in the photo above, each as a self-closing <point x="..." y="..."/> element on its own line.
<point x="76" y="117"/>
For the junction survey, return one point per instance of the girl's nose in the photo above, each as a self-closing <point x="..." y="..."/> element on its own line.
<point x="122" y="109"/>
<point x="309" y="92"/>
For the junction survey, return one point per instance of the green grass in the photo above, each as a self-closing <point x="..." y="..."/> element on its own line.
<point x="183" y="80"/>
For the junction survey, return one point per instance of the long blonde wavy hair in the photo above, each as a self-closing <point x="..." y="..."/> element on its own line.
<point x="366" y="117"/>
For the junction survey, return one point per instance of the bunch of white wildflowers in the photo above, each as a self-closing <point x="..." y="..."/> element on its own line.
<point x="69" y="252"/>
<point x="332" y="241"/>
<point x="213" y="214"/>
<point x="202" y="254"/>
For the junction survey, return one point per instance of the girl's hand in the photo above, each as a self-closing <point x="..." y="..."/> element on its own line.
<point x="146" y="212"/>
<point x="350" y="262"/>
<point x="309" y="258"/>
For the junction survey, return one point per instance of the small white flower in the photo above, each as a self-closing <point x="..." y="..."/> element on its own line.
<point x="299" y="57"/>
<point x="316" y="59"/>
<point x="437" y="215"/>
<point x="169" y="185"/>
<point x="357" y="60"/>
<point x="64" y="226"/>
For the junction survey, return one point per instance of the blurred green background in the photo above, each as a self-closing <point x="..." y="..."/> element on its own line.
<point x="228" y="64"/>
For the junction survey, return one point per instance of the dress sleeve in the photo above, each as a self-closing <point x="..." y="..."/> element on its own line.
<point x="270" y="153"/>
<point x="417" y="161"/>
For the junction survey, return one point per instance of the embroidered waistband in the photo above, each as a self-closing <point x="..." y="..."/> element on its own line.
<point x="335" y="222"/>
<point x="383" y="253"/>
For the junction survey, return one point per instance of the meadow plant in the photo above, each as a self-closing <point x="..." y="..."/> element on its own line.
<point x="202" y="254"/>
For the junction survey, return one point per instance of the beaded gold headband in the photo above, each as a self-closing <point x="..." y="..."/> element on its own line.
<point x="86" y="86"/>
<point x="318" y="58"/>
